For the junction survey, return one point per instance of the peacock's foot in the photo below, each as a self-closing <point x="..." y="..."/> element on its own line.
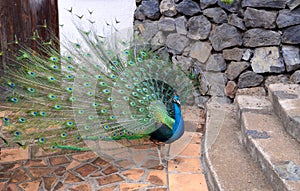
<point x="162" y="166"/>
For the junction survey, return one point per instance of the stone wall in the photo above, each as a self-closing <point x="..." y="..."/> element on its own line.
<point x="238" y="48"/>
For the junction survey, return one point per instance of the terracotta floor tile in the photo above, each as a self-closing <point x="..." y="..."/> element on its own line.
<point x="71" y="178"/>
<point x="60" y="171"/>
<point x="40" y="171"/>
<point x="191" y="150"/>
<point x="36" y="163"/>
<point x="125" y="164"/>
<point x="151" y="164"/>
<point x="83" y="187"/>
<point x="187" y="182"/>
<point x="134" y="174"/>
<point x="13" y="154"/>
<point x="132" y="186"/>
<point x="86" y="170"/>
<point x="59" y="187"/>
<point x="6" y="167"/>
<point x="84" y="156"/>
<point x="197" y="138"/>
<point x="2" y="184"/>
<point x="12" y="187"/>
<point x="73" y="164"/>
<point x="139" y="157"/>
<point x="31" y="186"/>
<point x="100" y="162"/>
<point x="157" y="177"/>
<point x="157" y="189"/>
<point x="58" y="160"/>
<point x="20" y="176"/>
<point x="110" y="170"/>
<point x="180" y="164"/>
<point x="5" y="176"/>
<point x="110" y="188"/>
<point x="96" y="174"/>
<point x="110" y="179"/>
<point x="49" y="182"/>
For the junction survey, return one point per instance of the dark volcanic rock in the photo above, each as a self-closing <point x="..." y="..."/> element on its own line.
<point x="250" y="79"/>
<point x="166" y="24"/>
<point x="148" y="29"/>
<point x="264" y="3"/>
<point x="180" y="23"/>
<point x="288" y="18"/>
<point x="217" y="14"/>
<point x="215" y="63"/>
<point x="213" y="83"/>
<point x="292" y="4"/>
<point x="150" y="8"/>
<point x="233" y="54"/>
<point x="138" y="14"/>
<point x="188" y="7"/>
<point x="206" y="3"/>
<point x="225" y="36"/>
<point x="198" y="27"/>
<point x="177" y="43"/>
<point x="291" y="35"/>
<point x="259" y="18"/>
<point x="291" y="55"/>
<point x="200" y="50"/>
<point x="230" y="89"/>
<point x="260" y="37"/>
<point x="295" y="77"/>
<point x="167" y="8"/>
<point x="236" y="21"/>
<point x="234" y="7"/>
<point x="234" y="69"/>
<point x="267" y="59"/>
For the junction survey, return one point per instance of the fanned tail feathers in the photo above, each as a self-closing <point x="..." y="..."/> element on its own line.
<point x="101" y="89"/>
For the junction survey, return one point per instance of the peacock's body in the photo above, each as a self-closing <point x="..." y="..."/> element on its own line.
<point x="102" y="94"/>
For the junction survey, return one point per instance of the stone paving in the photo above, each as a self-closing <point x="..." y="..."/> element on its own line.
<point x="22" y="170"/>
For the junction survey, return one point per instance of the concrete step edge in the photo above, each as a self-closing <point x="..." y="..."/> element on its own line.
<point x="263" y="141"/>
<point x="251" y="178"/>
<point x="285" y="99"/>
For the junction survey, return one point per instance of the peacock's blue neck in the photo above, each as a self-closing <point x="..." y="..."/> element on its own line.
<point x="178" y="126"/>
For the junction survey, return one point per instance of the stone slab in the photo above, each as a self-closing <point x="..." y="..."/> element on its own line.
<point x="228" y="166"/>
<point x="286" y="103"/>
<point x="267" y="142"/>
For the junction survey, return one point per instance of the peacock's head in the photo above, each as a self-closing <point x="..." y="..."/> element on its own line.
<point x="176" y="99"/>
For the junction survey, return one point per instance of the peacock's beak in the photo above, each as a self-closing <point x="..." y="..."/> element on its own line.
<point x="176" y="101"/>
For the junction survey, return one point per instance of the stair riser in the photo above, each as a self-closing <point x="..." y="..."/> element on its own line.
<point x="291" y="126"/>
<point x="210" y="175"/>
<point x="265" y="165"/>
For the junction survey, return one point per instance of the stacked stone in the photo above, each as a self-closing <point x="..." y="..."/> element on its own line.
<point x="238" y="48"/>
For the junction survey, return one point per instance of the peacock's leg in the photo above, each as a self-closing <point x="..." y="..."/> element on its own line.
<point x="159" y="156"/>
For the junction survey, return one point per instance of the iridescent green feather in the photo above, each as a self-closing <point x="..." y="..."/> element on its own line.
<point x="101" y="89"/>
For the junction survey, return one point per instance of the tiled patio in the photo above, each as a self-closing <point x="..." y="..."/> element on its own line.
<point x="86" y="171"/>
<point x="31" y="170"/>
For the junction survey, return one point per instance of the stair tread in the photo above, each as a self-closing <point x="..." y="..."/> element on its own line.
<point x="272" y="152"/>
<point x="286" y="102"/>
<point x="228" y="160"/>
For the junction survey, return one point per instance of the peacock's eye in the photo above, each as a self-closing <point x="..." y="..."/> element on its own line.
<point x="22" y="120"/>
<point x="42" y="140"/>
<point x="17" y="133"/>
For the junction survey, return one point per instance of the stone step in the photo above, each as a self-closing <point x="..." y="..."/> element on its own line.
<point x="286" y="104"/>
<point x="268" y="143"/>
<point x="228" y="165"/>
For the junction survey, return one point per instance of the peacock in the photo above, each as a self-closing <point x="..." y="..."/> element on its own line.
<point x="102" y="93"/>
